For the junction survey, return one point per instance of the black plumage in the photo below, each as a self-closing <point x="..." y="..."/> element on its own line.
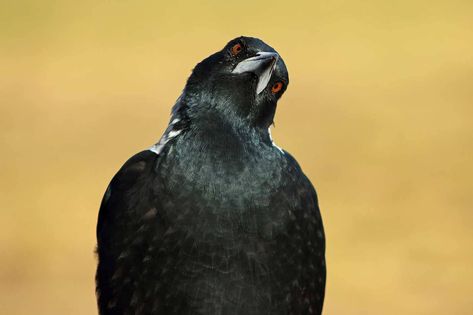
<point x="214" y="218"/>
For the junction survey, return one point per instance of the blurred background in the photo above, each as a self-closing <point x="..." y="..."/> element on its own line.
<point x="378" y="113"/>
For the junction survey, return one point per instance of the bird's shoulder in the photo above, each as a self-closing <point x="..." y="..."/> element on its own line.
<point x="296" y="177"/>
<point x="137" y="163"/>
<point x="291" y="161"/>
<point x="124" y="193"/>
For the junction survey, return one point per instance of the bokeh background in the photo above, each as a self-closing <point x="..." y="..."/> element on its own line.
<point x="378" y="113"/>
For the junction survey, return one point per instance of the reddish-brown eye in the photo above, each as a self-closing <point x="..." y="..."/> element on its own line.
<point x="236" y="49"/>
<point x="276" y="87"/>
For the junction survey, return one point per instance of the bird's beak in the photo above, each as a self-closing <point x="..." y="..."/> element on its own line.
<point x="262" y="65"/>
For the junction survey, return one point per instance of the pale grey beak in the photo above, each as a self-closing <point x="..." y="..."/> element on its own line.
<point x="262" y="65"/>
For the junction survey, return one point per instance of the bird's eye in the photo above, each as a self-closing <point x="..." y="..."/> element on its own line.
<point x="236" y="49"/>
<point x="276" y="87"/>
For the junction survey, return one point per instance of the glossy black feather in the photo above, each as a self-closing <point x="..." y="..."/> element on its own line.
<point x="220" y="221"/>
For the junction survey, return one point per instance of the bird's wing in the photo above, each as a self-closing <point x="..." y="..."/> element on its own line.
<point x="310" y="294"/>
<point x="127" y="223"/>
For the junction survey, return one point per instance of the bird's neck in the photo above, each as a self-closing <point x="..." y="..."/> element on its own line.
<point x="216" y="123"/>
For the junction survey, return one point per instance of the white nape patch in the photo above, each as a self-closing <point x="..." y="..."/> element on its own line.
<point x="175" y="121"/>
<point x="174" y="133"/>
<point x="169" y="134"/>
<point x="272" y="142"/>
<point x="156" y="148"/>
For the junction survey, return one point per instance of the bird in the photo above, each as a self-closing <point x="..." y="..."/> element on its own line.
<point x="214" y="218"/>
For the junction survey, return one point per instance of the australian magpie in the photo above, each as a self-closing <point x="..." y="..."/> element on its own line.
<point x="214" y="218"/>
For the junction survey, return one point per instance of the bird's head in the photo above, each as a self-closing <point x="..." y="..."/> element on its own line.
<point x="243" y="81"/>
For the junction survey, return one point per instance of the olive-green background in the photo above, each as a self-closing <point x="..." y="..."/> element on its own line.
<point x="378" y="113"/>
